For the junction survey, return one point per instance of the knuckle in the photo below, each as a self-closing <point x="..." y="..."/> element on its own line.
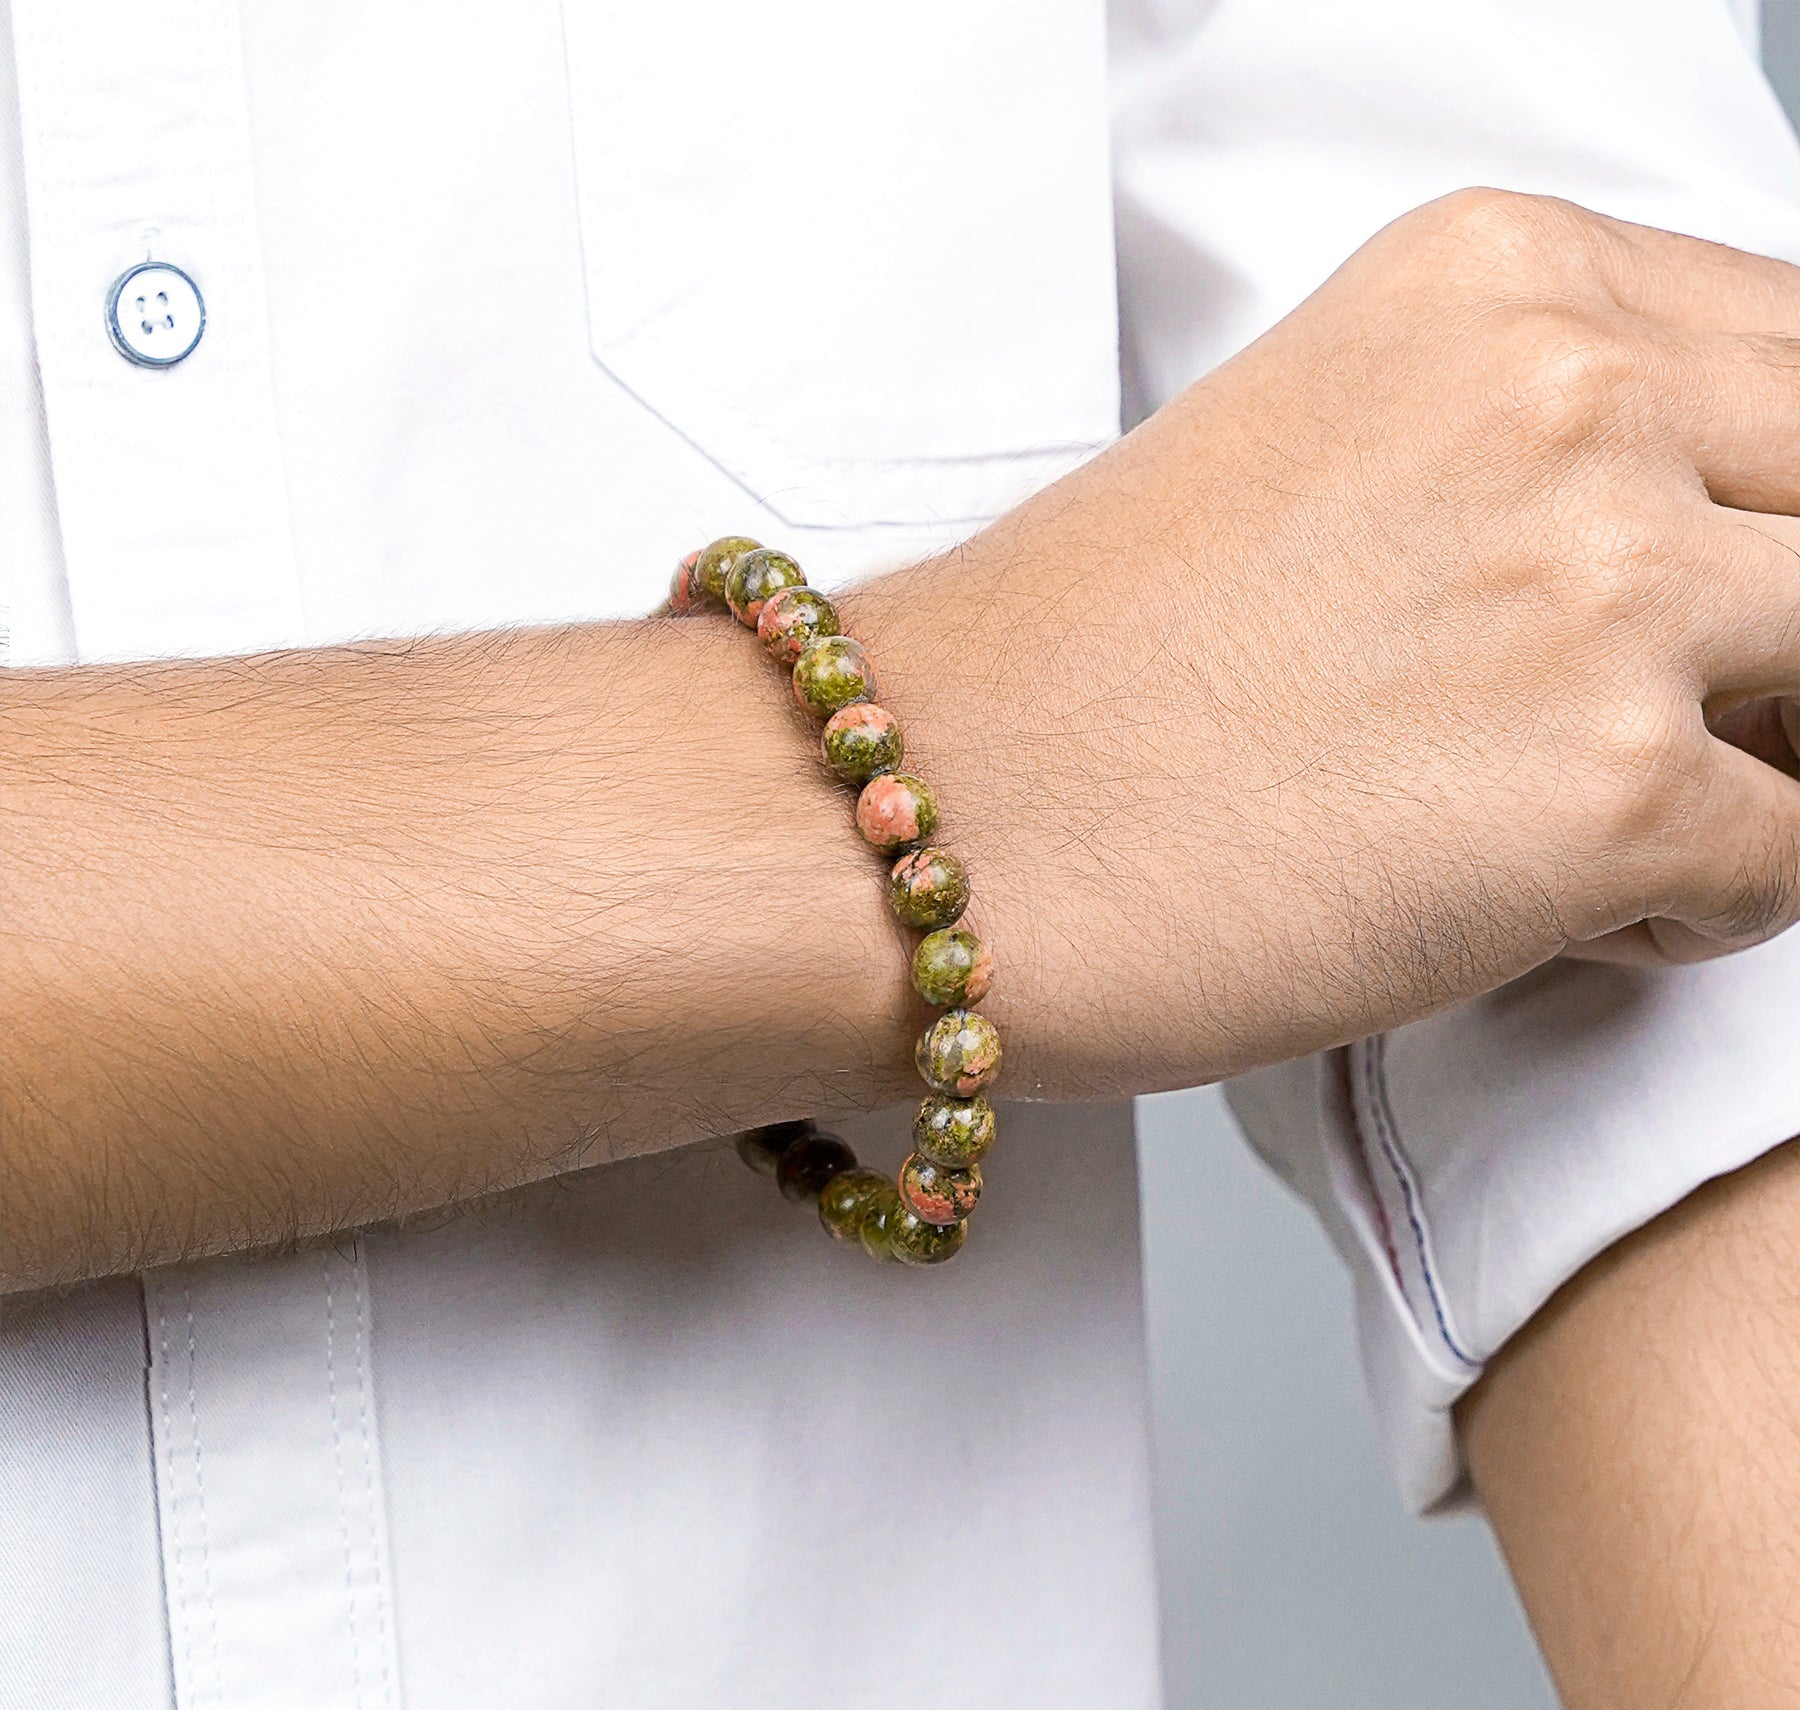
<point x="1503" y="225"/>
<point x="1760" y="892"/>
<point x="1611" y="563"/>
<point x="1648" y="782"/>
<point x="1656" y="810"/>
<point x="1563" y="375"/>
<point x="1766" y="899"/>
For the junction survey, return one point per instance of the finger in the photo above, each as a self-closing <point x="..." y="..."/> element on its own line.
<point x="1743" y="570"/>
<point x="1649" y="944"/>
<point x="1737" y="869"/>
<point x="1689" y="282"/>
<point x="1679" y="946"/>
<point x="1762" y="729"/>
<point x="1730" y="402"/>
<point x="1629" y="947"/>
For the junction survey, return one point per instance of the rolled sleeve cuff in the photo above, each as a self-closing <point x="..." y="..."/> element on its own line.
<point x="1468" y="1165"/>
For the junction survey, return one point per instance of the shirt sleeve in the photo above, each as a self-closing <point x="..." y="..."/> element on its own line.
<point x="1258" y="142"/>
<point x="1467" y="1165"/>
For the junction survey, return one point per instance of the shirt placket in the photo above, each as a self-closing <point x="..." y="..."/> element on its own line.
<point x="168" y="474"/>
<point x="269" y="1489"/>
<point x="151" y="330"/>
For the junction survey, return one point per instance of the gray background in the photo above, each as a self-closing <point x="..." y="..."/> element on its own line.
<point x="1291" y="1578"/>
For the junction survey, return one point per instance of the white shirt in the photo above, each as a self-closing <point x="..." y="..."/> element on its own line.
<point x="507" y="306"/>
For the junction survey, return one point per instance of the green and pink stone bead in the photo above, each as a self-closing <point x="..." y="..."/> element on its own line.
<point x="757" y="577"/>
<point x="922" y="1217"/>
<point x="791" y="619"/>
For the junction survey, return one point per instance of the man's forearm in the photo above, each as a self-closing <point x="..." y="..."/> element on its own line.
<point x="1636" y="1450"/>
<point x="302" y="941"/>
<point x="1363" y="677"/>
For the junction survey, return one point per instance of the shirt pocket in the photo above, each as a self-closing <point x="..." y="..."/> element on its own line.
<point x="861" y="258"/>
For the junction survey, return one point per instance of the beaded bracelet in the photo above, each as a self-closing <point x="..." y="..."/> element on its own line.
<point x="922" y="1217"/>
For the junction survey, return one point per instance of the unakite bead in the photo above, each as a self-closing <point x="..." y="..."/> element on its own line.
<point x="928" y="888"/>
<point x="936" y="1194"/>
<point x="684" y="593"/>
<point x="862" y="740"/>
<point x="842" y="1199"/>
<point x="959" y="1053"/>
<point x="916" y="1242"/>
<point x="954" y="1132"/>
<point x="714" y="564"/>
<point x="952" y="966"/>
<point x="896" y="809"/>
<point x="755" y="578"/>
<point x="791" y="619"/>
<point x="831" y="672"/>
<point x="879" y="1212"/>
<point x="809" y="1163"/>
<point x="761" y="1148"/>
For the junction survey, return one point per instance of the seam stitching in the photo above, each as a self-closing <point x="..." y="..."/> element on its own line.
<point x="337" y="1461"/>
<point x="376" y="1557"/>
<point x="206" y="1579"/>
<point x="175" y="1540"/>
<point x="1384" y="1225"/>
<point x="1388" y="1135"/>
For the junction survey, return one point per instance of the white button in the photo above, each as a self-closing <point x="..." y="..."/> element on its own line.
<point x="155" y="315"/>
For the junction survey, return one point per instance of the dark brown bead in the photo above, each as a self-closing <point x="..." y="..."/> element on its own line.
<point x="756" y="578"/>
<point x="936" y="1194"/>
<point x="809" y="1163"/>
<point x="842" y="1199"/>
<point x="714" y="564"/>
<point x="761" y="1148"/>
<point x="916" y="1242"/>
<point x="954" y="1132"/>
<point x="928" y="888"/>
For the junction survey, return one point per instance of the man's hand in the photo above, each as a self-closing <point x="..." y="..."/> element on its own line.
<point x="1377" y="668"/>
<point x="1373" y="671"/>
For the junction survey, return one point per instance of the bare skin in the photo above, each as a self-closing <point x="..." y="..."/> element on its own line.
<point x="1638" y="1450"/>
<point x="1370" y="673"/>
